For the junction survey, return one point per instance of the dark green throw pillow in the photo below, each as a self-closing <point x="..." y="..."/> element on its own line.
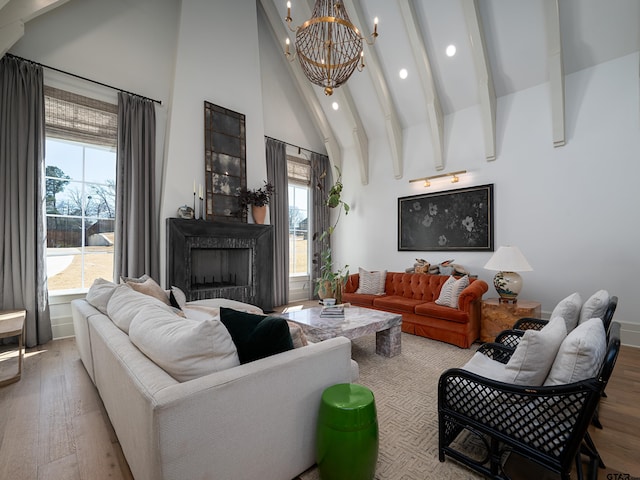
<point x="256" y="336"/>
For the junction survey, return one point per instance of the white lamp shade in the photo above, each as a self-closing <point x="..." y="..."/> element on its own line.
<point x="508" y="259"/>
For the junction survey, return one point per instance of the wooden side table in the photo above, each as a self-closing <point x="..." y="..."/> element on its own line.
<point x="497" y="316"/>
<point x="12" y="325"/>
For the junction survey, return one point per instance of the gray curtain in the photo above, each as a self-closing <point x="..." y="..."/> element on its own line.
<point x="23" y="273"/>
<point x="321" y="180"/>
<point x="279" y="209"/>
<point x="136" y="233"/>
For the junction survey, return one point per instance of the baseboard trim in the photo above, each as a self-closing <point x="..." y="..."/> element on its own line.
<point x="629" y="334"/>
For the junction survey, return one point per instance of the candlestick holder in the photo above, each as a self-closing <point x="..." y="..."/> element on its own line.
<point x="194" y="203"/>
<point x="201" y="208"/>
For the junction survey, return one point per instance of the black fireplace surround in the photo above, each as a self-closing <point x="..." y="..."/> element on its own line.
<point x="221" y="260"/>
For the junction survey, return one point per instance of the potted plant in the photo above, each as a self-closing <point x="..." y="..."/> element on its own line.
<point x="330" y="283"/>
<point x="258" y="199"/>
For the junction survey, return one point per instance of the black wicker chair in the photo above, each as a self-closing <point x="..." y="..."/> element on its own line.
<point x="511" y="338"/>
<point x="547" y="425"/>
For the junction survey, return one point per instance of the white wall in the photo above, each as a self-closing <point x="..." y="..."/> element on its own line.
<point x="127" y="44"/>
<point x="218" y="61"/>
<point x="571" y="210"/>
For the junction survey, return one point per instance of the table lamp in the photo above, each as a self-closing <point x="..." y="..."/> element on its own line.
<point x="508" y="260"/>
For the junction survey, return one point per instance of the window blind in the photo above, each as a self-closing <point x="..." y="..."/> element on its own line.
<point x="298" y="170"/>
<point x="74" y="117"/>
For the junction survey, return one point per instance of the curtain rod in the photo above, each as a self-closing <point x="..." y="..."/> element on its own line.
<point x="83" y="78"/>
<point x="292" y="145"/>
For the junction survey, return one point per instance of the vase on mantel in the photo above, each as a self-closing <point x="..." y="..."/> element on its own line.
<point x="259" y="213"/>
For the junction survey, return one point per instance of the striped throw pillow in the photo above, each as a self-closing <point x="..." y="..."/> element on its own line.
<point x="451" y="290"/>
<point x="371" y="283"/>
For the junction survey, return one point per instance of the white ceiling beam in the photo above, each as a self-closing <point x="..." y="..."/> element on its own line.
<point x="360" y="139"/>
<point x="15" y="13"/>
<point x="9" y="35"/>
<point x="556" y="70"/>
<point x="392" y="121"/>
<point x="280" y="32"/>
<point x="434" y="108"/>
<point x="25" y="10"/>
<point x="486" y="90"/>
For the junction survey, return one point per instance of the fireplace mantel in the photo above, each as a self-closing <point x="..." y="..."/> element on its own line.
<point x="221" y="260"/>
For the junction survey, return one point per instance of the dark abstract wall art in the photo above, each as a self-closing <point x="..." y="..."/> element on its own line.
<point x="460" y="219"/>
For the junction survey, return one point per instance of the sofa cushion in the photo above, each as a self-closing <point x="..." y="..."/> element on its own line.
<point x="595" y="306"/>
<point x="580" y="355"/>
<point x="451" y="290"/>
<point x="432" y="309"/>
<point x="397" y="303"/>
<point x="125" y="303"/>
<point x="256" y="336"/>
<point x="371" y="283"/>
<point x="225" y="302"/>
<point x="534" y="355"/>
<point x="100" y="293"/>
<point x="569" y="309"/>
<point x="359" y="298"/>
<point x="185" y="349"/>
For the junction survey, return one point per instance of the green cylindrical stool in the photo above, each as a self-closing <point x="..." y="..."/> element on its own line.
<point x="347" y="435"/>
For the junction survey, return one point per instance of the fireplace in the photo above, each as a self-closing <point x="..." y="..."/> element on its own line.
<point x="221" y="260"/>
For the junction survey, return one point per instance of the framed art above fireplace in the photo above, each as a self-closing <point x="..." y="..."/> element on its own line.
<point x="460" y="219"/>
<point x="225" y="163"/>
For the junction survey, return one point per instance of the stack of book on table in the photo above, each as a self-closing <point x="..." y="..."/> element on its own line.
<point x="333" y="311"/>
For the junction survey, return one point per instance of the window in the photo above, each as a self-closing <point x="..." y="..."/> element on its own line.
<point x="299" y="173"/>
<point x="80" y="183"/>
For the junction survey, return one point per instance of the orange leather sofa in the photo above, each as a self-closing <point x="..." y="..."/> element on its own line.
<point x="413" y="295"/>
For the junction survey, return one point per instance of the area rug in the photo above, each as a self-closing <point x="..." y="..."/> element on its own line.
<point x="405" y="388"/>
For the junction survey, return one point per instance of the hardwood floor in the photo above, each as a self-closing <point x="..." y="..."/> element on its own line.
<point x="53" y="425"/>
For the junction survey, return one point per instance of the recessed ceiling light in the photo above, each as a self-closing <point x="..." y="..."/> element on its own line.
<point x="335" y="105"/>
<point x="403" y="73"/>
<point x="451" y="50"/>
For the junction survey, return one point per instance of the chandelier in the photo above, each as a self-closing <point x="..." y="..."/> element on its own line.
<point x="328" y="45"/>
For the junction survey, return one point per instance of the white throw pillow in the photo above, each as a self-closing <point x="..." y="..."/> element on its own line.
<point x="451" y="290"/>
<point x="569" y="309"/>
<point x="126" y="303"/>
<point x="595" y="306"/>
<point x="150" y="287"/>
<point x="371" y="283"/>
<point x="580" y="354"/>
<point x="100" y="293"/>
<point x="183" y="348"/>
<point x="534" y="355"/>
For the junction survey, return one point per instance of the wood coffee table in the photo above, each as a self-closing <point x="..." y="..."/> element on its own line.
<point x="357" y="322"/>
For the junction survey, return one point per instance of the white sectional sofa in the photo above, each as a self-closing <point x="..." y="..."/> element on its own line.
<point x="252" y="421"/>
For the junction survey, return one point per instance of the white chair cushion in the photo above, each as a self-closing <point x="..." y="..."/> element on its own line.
<point x="125" y="303"/>
<point x="185" y="349"/>
<point x="100" y="293"/>
<point x="595" y="306"/>
<point x="487" y="367"/>
<point x="371" y="283"/>
<point x="569" y="309"/>
<point x="450" y="291"/>
<point x="580" y="355"/>
<point x="534" y="355"/>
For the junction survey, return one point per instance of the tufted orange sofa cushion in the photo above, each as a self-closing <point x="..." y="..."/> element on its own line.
<point x="413" y="295"/>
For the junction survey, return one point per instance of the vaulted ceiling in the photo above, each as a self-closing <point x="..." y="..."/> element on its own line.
<point x="502" y="46"/>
